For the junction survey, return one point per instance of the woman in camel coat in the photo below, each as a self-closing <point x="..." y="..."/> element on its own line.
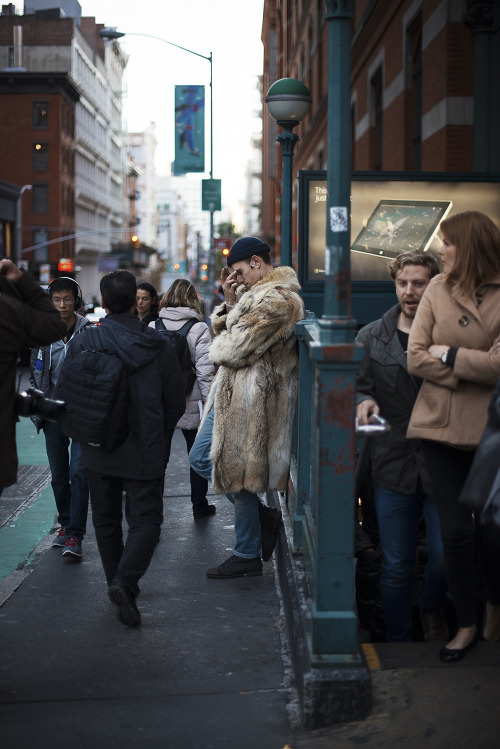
<point x="453" y="346"/>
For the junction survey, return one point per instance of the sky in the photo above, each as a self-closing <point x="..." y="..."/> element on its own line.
<point x="231" y="30"/>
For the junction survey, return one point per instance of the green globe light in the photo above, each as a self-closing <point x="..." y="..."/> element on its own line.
<point x="288" y="100"/>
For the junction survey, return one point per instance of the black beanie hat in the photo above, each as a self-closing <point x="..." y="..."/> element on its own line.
<point x="246" y="247"/>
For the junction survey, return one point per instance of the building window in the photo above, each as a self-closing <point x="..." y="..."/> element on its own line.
<point x="40" y="198"/>
<point x="415" y="46"/>
<point x="41" y="114"/>
<point x="377" y="121"/>
<point x="40" y="254"/>
<point x="40" y="156"/>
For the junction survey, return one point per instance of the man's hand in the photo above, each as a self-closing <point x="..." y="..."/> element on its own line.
<point x="10" y="271"/>
<point x="365" y="410"/>
<point x="229" y="285"/>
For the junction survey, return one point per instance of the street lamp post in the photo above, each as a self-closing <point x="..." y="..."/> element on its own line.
<point x="19" y="223"/>
<point x="288" y="101"/>
<point x="111" y="34"/>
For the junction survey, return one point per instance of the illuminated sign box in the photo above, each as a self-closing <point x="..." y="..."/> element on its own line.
<point x="390" y="212"/>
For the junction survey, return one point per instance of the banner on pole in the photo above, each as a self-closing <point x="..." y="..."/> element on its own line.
<point x="211" y="195"/>
<point x="189" y="129"/>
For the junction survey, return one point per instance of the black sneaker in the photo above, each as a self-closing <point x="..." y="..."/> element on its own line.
<point x="237" y="567"/>
<point x="270" y="521"/>
<point x="203" y="511"/>
<point x="127" y="613"/>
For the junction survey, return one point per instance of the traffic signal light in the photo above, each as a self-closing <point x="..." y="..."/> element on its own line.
<point x="134" y="241"/>
<point x="204" y="266"/>
<point x="225" y="251"/>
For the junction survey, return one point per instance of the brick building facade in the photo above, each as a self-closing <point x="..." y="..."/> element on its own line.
<point x="60" y="85"/>
<point x="412" y="88"/>
<point x="41" y="150"/>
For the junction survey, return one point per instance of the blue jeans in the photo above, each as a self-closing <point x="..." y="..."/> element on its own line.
<point x="69" y="480"/>
<point x="246" y="504"/>
<point x="398" y="519"/>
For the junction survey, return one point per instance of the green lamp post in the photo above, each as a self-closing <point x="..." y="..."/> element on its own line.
<point x="288" y="101"/>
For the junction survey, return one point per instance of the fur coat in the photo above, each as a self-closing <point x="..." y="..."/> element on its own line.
<point x="255" y="388"/>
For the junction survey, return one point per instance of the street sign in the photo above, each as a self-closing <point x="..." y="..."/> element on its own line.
<point x="211" y="195"/>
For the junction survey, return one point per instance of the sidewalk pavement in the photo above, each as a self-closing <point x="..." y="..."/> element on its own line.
<point x="209" y="668"/>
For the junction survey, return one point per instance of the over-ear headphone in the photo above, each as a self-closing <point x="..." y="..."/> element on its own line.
<point x="79" y="295"/>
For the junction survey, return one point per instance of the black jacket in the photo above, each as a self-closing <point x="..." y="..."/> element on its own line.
<point x="156" y="397"/>
<point x="27" y="318"/>
<point x="383" y="375"/>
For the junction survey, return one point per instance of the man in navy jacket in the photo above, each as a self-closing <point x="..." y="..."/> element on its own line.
<point x="156" y="403"/>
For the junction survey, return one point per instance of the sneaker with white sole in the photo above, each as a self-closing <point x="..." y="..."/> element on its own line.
<point x="60" y="539"/>
<point x="72" y="547"/>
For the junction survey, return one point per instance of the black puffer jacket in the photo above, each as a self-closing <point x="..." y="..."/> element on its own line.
<point x="27" y="318"/>
<point x="156" y="397"/>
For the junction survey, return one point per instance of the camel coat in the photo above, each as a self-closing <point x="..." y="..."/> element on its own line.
<point x="452" y="403"/>
<point x="255" y="388"/>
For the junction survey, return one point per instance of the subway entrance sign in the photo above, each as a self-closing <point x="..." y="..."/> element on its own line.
<point x="211" y="195"/>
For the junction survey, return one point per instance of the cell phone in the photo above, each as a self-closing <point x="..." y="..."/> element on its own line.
<point x="377" y="425"/>
<point x="226" y="271"/>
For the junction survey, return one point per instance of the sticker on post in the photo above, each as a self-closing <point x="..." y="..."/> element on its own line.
<point x="339" y="219"/>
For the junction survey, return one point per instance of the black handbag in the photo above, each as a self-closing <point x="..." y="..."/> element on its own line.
<point x="481" y="492"/>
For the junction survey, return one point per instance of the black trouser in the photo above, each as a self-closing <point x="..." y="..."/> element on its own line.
<point x="125" y="563"/>
<point x="462" y="535"/>
<point x="199" y="485"/>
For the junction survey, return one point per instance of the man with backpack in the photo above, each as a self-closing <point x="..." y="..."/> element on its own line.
<point x="131" y="458"/>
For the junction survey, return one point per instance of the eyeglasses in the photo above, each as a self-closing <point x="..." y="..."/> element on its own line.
<point x="67" y="301"/>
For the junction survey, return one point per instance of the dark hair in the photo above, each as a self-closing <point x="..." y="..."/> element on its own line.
<point x="60" y="284"/>
<point x="146" y="286"/>
<point x="182" y="293"/>
<point x="477" y="240"/>
<point x="118" y="290"/>
<point x="264" y="256"/>
<point x="414" y="257"/>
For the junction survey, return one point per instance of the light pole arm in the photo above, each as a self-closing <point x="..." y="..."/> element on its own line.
<point x="112" y="34"/>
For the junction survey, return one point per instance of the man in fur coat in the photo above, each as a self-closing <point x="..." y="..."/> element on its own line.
<point x="244" y="440"/>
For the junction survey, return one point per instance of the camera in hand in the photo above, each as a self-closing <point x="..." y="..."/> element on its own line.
<point x="33" y="402"/>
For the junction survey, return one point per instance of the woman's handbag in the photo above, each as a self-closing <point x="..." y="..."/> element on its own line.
<point x="481" y="492"/>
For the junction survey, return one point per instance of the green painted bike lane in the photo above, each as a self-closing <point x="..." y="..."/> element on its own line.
<point x="22" y="534"/>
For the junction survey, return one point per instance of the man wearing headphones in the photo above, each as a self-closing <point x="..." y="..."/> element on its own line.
<point x="69" y="477"/>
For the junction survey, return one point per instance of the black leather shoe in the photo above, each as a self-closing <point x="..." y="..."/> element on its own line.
<point x="236" y="567"/>
<point x="203" y="511"/>
<point x="270" y="521"/>
<point x="450" y="656"/>
<point x="127" y="612"/>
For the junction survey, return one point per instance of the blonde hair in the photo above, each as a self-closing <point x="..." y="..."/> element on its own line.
<point x="182" y="293"/>
<point x="477" y="240"/>
<point x="414" y="257"/>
